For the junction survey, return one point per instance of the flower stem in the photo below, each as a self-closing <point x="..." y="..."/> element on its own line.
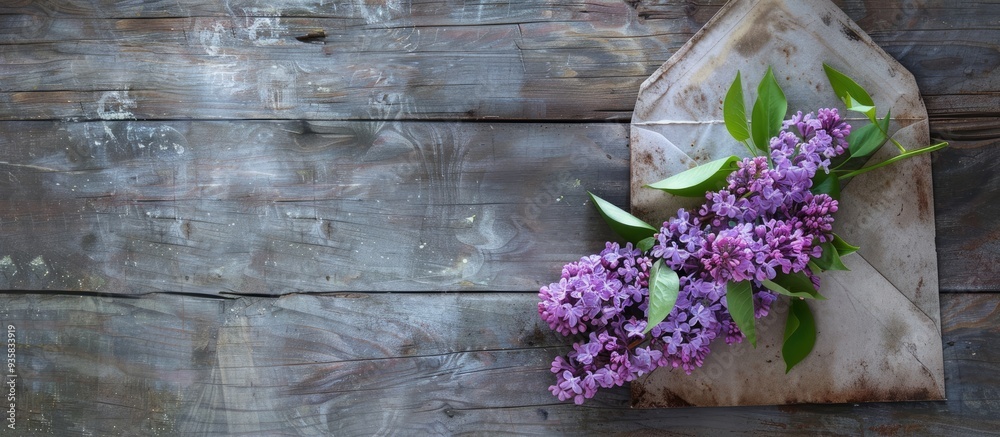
<point x="635" y="343"/>
<point x="898" y="146"/>
<point x="900" y="157"/>
<point x="894" y="142"/>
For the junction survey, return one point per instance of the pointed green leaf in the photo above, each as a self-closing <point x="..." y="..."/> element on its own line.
<point x="768" y="111"/>
<point x="734" y="112"/>
<point x="646" y="244"/>
<point x="826" y="183"/>
<point x="867" y="139"/>
<point x="845" y="87"/>
<point x="800" y="334"/>
<point x="694" y="182"/>
<point x="739" y="298"/>
<point x="843" y="248"/>
<point x="830" y="258"/>
<point x="624" y="224"/>
<point x="856" y="106"/>
<point x="663" y="288"/>
<point x="794" y="285"/>
<point x="791" y="324"/>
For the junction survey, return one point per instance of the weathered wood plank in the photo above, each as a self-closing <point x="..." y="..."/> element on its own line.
<point x="278" y="207"/>
<point x="420" y="62"/>
<point x="365" y="364"/>
<point x="966" y="183"/>
<point x="420" y="12"/>
<point x="75" y="60"/>
<point x="349" y="364"/>
<point x="424" y="60"/>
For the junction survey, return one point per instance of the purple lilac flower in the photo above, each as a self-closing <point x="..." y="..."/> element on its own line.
<point x="835" y="127"/>
<point x="599" y="295"/>
<point x="814" y="217"/>
<point x="823" y="137"/>
<point x="729" y="255"/>
<point x="762" y="300"/>
<point x="765" y="222"/>
<point x="679" y="242"/>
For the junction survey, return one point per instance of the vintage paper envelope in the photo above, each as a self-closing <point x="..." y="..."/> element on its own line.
<point x="879" y="333"/>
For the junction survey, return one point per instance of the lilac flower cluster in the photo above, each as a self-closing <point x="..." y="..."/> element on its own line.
<point x="765" y="221"/>
<point x="603" y="296"/>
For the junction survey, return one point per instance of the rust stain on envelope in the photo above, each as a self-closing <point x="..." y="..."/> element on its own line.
<point x="879" y="332"/>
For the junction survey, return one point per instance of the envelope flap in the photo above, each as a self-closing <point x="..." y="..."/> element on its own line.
<point x="879" y="332"/>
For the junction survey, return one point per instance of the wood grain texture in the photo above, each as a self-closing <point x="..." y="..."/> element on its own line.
<point x="422" y="60"/>
<point x="76" y="61"/>
<point x="109" y="77"/>
<point x="425" y="60"/>
<point x="278" y="207"/>
<point x="966" y="183"/>
<point x="352" y="364"/>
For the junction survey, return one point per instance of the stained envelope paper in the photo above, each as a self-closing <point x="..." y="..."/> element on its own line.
<point x="879" y="331"/>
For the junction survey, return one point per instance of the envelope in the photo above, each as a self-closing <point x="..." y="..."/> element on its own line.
<point x="879" y="331"/>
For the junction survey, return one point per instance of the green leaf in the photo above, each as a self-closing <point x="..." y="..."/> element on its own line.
<point x="739" y="298"/>
<point x="830" y="258"/>
<point x="768" y="111"/>
<point x="826" y="183"/>
<point x="694" y="182"/>
<point x="800" y="334"/>
<point x="627" y="225"/>
<point x="794" y="285"/>
<point x="856" y="106"/>
<point x="843" y="248"/>
<point x="663" y="288"/>
<point x="646" y="244"/>
<point x="868" y="138"/>
<point x="846" y="88"/>
<point x="734" y="112"/>
<point x="812" y="267"/>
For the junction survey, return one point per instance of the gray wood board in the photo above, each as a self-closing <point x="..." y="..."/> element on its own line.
<point x="279" y="207"/>
<point x="426" y="60"/>
<point x="412" y="362"/>
<point x="967" y="213"/>
<point x="276" y="207"/>
<point x="351" y="364"/>
<point x="74" y="60"/>
<point x="371" y="64"/>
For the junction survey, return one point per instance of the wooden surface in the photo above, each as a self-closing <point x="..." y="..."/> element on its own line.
<point x="353" y="364"/>
<point x="270" y="207"/>
<point x="185" y="151"/>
